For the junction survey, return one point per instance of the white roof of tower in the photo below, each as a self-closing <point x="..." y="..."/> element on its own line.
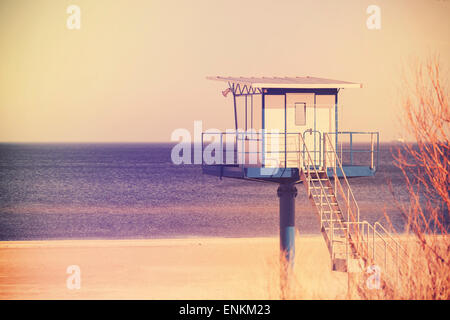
<point x="288" y="82"/>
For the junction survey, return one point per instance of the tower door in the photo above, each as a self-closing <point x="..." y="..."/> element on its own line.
<point x="299" y="117"/>
<point x="311" y="115"/>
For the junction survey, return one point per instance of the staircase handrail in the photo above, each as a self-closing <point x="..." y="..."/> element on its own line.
<point x="350" y="195"/>
<point x="310" y="161"/>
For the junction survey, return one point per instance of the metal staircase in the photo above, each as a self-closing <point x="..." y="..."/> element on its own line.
<point x="352" y="244"/>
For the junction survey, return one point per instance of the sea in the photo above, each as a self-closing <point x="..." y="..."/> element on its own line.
<point x="134" y="191"/>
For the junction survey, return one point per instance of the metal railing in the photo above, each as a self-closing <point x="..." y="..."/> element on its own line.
<point x="378" y="247"/>
<point x="317" y="190"/>
<point x="349" y="155"/>
<point x="331" y="160"/>
<point x="276" y="149"/>
<point x="281" y="149"/>
<point x="315" y="139"/>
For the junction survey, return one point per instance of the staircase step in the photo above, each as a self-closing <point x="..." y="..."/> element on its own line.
<point x="313" y="171"/>
<point x="332" y="220"/>
<point x="323" y="204"/>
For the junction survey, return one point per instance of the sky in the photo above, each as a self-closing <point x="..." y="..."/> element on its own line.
<point x="136" y="70"/>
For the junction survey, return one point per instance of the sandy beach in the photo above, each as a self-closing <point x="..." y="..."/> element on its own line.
<point x="193" y="268"/>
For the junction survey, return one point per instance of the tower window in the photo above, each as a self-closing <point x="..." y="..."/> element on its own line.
<point x="300" y="113"/>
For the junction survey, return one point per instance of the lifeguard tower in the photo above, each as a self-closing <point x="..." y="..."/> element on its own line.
<point x="286" y="131"/>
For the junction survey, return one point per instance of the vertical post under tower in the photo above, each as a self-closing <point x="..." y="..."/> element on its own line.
<point x="287" y="193"/>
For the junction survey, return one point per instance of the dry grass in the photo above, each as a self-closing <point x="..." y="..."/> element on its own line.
<point x="311" y="276"/>
<point x="425" y="165"/>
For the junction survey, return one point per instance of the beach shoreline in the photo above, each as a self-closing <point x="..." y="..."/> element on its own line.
<point x="188" y="268"/>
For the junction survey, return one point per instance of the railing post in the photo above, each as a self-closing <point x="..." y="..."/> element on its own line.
<point x="285" y="149"/>
<point x="335" y="182"/>
<point x="378" y="149"/>
<point x="348" y="205"/>
<point x="236" y="147"/>
<point x="308" y="178"/>
<point x="332" y="232"/>
<point x="351" y="148"/>
<point x="321" y="208"/>
<point x="243" y="149"/>
<point x="221" y="148"/>
<point x="371" y="151"/>
<point x="325" y="152"/>
<point x="346" y="241"/>
<point x="321" y="195"/>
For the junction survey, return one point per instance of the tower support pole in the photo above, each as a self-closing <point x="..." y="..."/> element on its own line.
<point x="287" y="193"/>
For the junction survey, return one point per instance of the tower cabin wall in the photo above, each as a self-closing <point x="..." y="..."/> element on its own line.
<point x="291" y="114"/>
<point x="283" y="115"/>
